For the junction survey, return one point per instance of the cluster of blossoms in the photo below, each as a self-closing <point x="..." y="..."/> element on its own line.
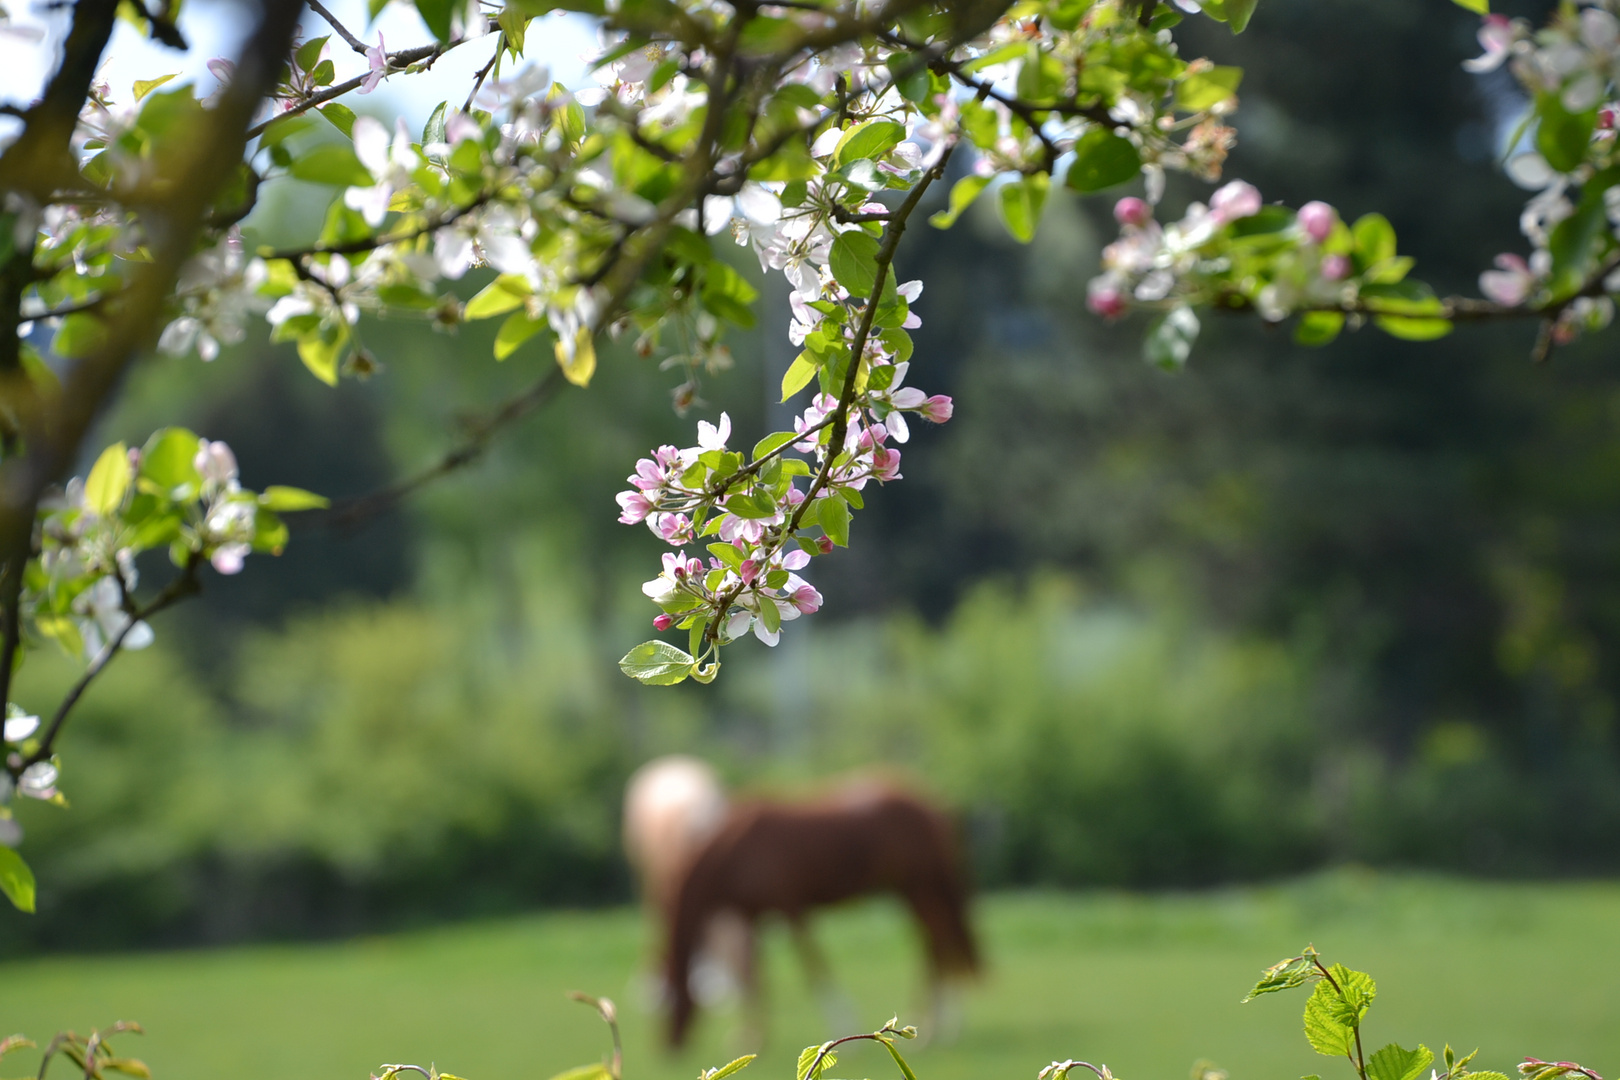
<point x="1238" y="252"/>
<point x="760" y="515"/>
<point x="1565" y="152"/>
<point x="178" y="491"/>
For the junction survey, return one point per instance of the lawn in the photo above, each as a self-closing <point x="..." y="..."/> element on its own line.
<point x="1147" y="984"/>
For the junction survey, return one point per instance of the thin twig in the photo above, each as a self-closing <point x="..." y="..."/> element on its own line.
<point x="343" y="32"/>
<point x="483" y="73"/>
<point x="398" y="60"/>
<point x="352" y="512"/>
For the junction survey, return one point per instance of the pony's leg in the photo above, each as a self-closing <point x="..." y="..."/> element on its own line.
<point x="837" y="1010"/>
<point x="756" y="1009"/>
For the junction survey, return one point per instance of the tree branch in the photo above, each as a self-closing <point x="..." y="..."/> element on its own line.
<point x="353" y="512"/>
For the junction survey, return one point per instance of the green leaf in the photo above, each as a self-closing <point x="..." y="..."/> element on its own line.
<point x="1478" y="7"/>
<point x="1319" y="327"/>
<point x="1395" y="1063"/>
<point x="833" y="515"/>
<point x="730" y="1067"/>
<point x="168" y="463"/>
<point x="340" y="115"/>
<point x="772" y="442"/>
<point x="1336" y="1008"/>
<point x="1020" y="203"/>
<point x="1170" y="338"/>
<point x="1563" y="137"/>
<point x="1401" y="298"/>
<point x="656" y="663"/>
<point x="807" y="1057"/>
<point x="517" y="329"/>
<point x="1327" y="1034"/>
<point x="1413" y="328"/>
<point x="1582" y="237"/>
<point x="869" y="140"/>
<point x="334" y="163"/>
<point x="854" y="262"/>
<point x="433" y="130"/>
<point x="109" y="479"/>
<point x="320" y="354"/>
<point x="900" y="1062"/>
<point x="1205" y="89"/>
<point x="1239" y="12"/>
<point x="597" y="1071"/>
<point x="1101" y="160"/>
<point x="281" y="499"/>
<point x="146" y="86"/>
<point x="1374" y="240"/>
<point x="1285" y="975"/>
<point x="799" y="374"/>
<point x="436" y="14"/>
<point x="308" y="54"/>
<point x="578" y="363"/>
<point x="498" y="297"/>
<point x="16" y="880"/>
<point x="963" y="192"/>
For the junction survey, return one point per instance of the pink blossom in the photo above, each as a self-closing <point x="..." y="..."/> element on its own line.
<point x="635" y="505"/>
<point x="938" y="408"/>
<point x="1496" y="38"/>
<point x="648" y="475"/>
<point x="671" y="528"/>
<point x="802" y="596"/>
<point x="228" y="558"/>
<point x="748" y="571"/>
<point x="1317" y="218"/>
<point x="663" y="622"/>
<point x="1104" y="297"/>
<point x="377" y="59"/>
<point x="797" y="559"/>
<point x="1335" y="268"/>
<point x="1236" y="200"/>
<point x="885" y="464"/>
<point x="1132" y="211"/>
<point x="1511" y="283"/>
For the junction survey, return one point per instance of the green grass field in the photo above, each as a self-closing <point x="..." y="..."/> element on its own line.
<point x="1147" y="984"/>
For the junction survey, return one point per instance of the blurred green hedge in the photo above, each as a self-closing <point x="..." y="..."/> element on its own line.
<point x="395" y="762"/>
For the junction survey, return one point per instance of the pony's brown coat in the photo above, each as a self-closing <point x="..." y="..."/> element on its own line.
<point x="790" y="858"/>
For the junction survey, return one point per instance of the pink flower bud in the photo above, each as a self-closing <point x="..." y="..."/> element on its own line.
<point x="663" y="622"/>
<point x="1335" y="268"/>
<point x="1132" y="211"/>
<point x="748" y="571"/>
<point x="806" y="599"/>
<point x="938" y="408"/>
<point x="1606" y="117"/>
<point x="1238" y="199"/>
<point x="1105" y="298"/>
<point x="824" y="544"/>
<point x="1316" y="218"/>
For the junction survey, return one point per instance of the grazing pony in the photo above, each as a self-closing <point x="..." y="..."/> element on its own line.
<point x="790" y="858"/>
<point x="672" y="807"/>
